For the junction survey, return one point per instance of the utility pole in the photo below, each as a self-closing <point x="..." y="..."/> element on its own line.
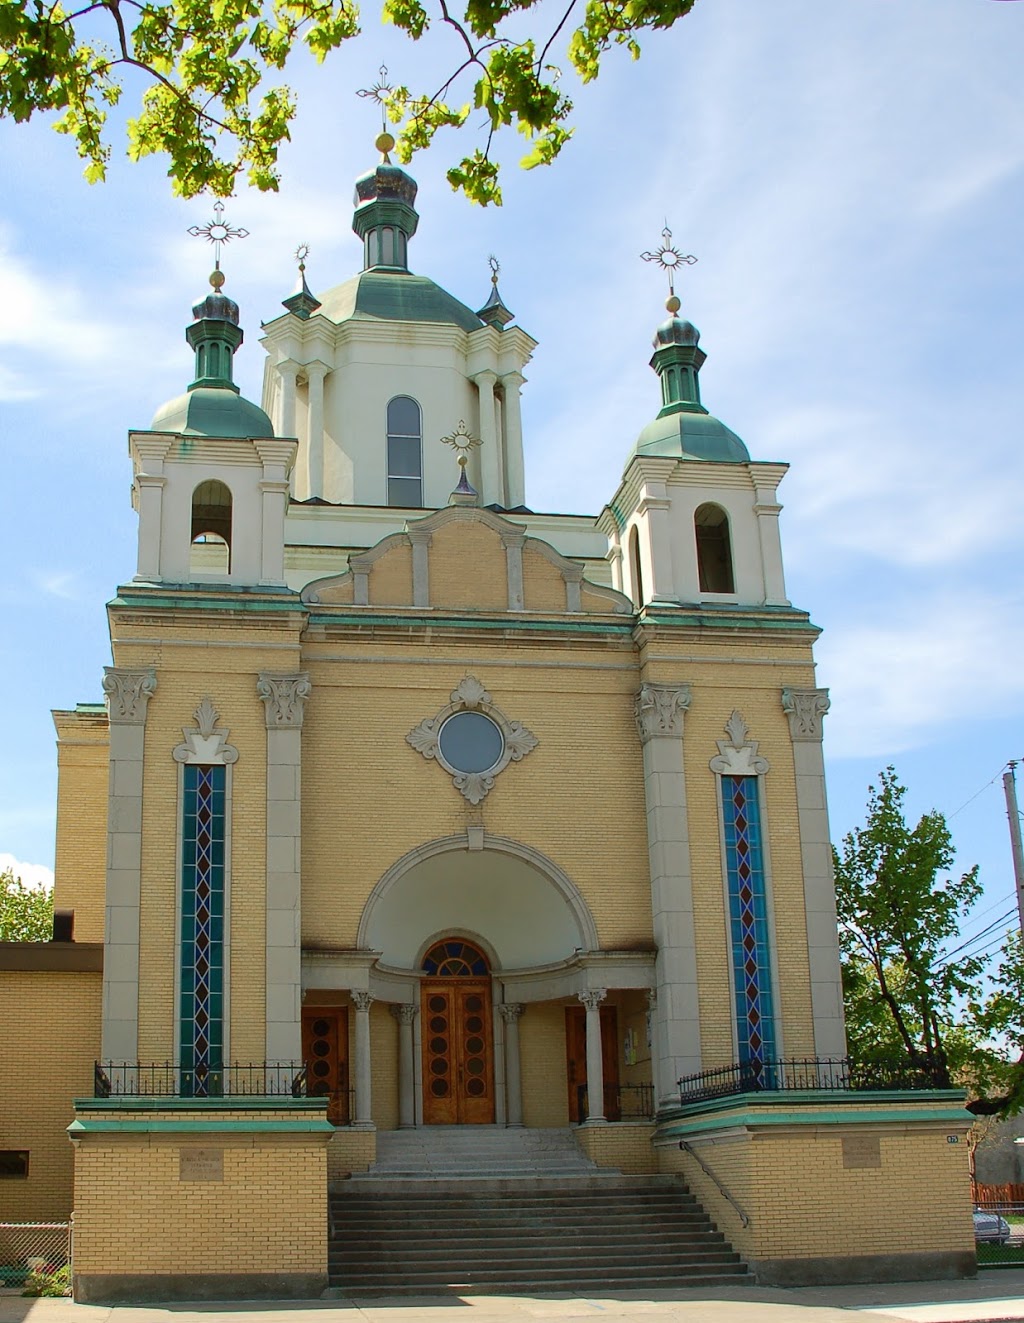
<point x="1013" y="814"/>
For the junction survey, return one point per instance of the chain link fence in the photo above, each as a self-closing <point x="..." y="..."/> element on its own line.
<point x="32" y="1247"/>
<point x="999" y="1234"/>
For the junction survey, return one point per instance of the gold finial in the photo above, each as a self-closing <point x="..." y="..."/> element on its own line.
<point x="669" y="258"/>
<point x="217" y="232"/>
<point x="217" y="279"/>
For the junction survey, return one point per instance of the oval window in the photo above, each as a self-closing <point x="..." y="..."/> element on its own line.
<point x="470" y="742"/>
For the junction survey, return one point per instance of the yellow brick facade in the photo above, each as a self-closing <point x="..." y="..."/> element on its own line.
<point x="80" y="866"/>
<point x="50" y="1039"/>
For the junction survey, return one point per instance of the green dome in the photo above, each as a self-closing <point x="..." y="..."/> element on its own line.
<point x="396" y="296"/>
<point x="212" y="411"/>
<point x="686" y="435"/>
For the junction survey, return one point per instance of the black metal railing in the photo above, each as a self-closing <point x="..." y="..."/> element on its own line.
<point x="164" y="1079"/>
<point x="802" y="1074"/>
<point x="622" y="1102"/>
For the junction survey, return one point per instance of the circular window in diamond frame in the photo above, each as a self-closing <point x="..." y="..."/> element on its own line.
<point x="512" y="743"/>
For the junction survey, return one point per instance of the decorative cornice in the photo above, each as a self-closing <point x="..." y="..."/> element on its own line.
<point x="471" y="696"/>
<point x="284" y="698"/>
<point x="659" y="710"/>
<point x="593" y="998"/>
<point x="205" y="742"/>
<point x="805" y="709"/>
<point x="128" y="694"/>
<point x="738" y="756"/>
<point x="510" y="1011"/>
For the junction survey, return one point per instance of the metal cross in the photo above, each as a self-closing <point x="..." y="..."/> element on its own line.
<point x="495" y="266"/>
<point x="379" y="93"/>
<point x="301" y="253"/>
<point x="217" y="232"/>
<point x="669" y="258"/>
<point x="462" y="442"/>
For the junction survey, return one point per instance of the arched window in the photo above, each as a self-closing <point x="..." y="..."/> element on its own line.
<point x="714" y="552"/>
<point x="454" y="958"/>
<point x="405" y="453"/>
<point x="211" y="529"/>
<point x="635" y="572"/>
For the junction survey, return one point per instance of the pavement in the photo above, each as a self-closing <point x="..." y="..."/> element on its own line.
<point x="996" y="1296"/>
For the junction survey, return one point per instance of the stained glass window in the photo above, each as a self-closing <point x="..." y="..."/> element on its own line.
<point x="202" y="931"/>
<point x="748" y="919"/>
<point x="454" y="958"/>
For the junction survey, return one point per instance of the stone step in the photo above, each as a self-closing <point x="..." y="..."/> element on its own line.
<point x="398" y="1257"/>
<point x="601" y="1242"/>
<point x="533" y="1281"/>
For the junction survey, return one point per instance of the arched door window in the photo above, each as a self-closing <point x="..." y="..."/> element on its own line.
<point x="211" y="529"/>
<point x="454" y="958"/>
<point x="635" y="572"/>
<point x="405" y="453"/>
<point x="714" y="552"/>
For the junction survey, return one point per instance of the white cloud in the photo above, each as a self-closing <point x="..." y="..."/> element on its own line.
<point x="931" y="661"/>
<point x="33" y="875"/>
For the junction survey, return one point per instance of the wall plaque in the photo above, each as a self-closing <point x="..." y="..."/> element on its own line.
<point x="201" y="1164"/>
<point x="862" y="1151"/>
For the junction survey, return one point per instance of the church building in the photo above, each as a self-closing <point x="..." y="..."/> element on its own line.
<point x="410" y="811"/>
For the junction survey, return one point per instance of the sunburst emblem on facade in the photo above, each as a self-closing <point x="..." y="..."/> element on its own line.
<point x="670" y="259"/>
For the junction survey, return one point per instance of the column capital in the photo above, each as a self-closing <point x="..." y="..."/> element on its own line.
<point x="288" y="367"/>
<point x="419" y="537"/>
<point x="514" y="378"/>
<point x="593" y="997"/>
<point x="659" y="710"/>
<point x="805" y="709"/>
<point x="362" y="1001"/>
<point x="404" y="1012"/>
<point x="510" y="1011"/>
<point x="284" y="698"/>
<point x="128" y="693"/>
<point x="487" y="377"/>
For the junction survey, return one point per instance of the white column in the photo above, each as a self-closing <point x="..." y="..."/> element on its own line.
<point x="128" y="693"/>
<point x="595" y="1053"/>
<point x="288" y="372"/>
<point x="405" y="1014"/>
<point x="513" y="540"/>
<point x="615" y="560"/>
<point x="805" y="709"/>
<point x="150" y="490"/>
<point x="659" y="711"/>
<point x="362" y="1001"/>
<point x="420" y="539"/>
<point x="492" y="488"/>
<point x="510" y="1012"/>
<point x="656" y="540"/>
<point x="515" y="473"/>
<point x="315" y="373"/>
<point x="284" y="698"/>
<point x="277" y="457"/>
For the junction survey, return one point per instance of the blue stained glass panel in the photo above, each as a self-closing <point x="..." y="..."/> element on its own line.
<point x="202" y="930"/>
<point x="748" y="919"/>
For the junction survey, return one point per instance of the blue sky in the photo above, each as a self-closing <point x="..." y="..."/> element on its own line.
<point x="851" y="178"/>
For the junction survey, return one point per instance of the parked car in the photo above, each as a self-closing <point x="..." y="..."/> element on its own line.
<point x="990" y="1228"/>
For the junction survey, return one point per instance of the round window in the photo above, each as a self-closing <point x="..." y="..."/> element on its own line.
<point x="470" y="742"/>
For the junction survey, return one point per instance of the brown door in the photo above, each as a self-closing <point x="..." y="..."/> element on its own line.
<point x="458" y="1052"/>
<point x="576" y="1061"/>
<point x="325" y="1052"/>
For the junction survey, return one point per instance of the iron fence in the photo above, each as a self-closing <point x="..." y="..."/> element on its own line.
<point x="622" y="1102"/>
<point x="801" y="1074"/>
<point x="32" y="1247"/>
<point x="164" y="1079"/>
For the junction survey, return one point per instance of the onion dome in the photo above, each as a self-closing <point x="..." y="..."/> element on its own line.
<point x="683" y="427"/>
<point x="385" y="213"/>
<point x="212" y="405"/>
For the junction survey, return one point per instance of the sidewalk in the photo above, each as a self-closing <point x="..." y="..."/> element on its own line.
<point x="992" y="1296"/>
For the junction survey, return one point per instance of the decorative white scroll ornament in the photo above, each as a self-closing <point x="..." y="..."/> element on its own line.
<point x="128" y="694"/>
<point x="471" y="696"/>
<point x="206" y="742"/>
<point x="284" y="697"/>
<point x="737" y="756"/>
<point x="805" y="709"/>
<point x="659" y="710"/>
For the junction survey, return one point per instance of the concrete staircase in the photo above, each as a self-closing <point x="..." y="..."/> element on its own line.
<point x="486" y="1211"/>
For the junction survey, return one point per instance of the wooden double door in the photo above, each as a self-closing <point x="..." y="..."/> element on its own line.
<point x="325" y="1052"/>
<point x="458" y="1051"/>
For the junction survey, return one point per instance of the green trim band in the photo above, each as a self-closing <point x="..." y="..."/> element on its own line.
<point x="814" y="1098"/>
<point x="255" y="1102"/>
<point x="200" y="1127"/>
<point x="949" y="1115"/>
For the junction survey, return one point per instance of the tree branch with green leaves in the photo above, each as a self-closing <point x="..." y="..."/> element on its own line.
<point x="208" y="106"/>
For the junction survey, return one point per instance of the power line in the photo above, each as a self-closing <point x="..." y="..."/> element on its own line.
<point x="981" y="791"/>
<point x="978" y="936"/>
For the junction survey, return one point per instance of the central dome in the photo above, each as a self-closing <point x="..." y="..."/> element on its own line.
<point x="396" y="296"/>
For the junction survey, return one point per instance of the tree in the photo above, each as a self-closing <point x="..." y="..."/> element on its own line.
<point x="207" y="105"/>
<point x="26" y="913"/>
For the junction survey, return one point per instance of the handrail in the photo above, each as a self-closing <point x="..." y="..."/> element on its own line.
<point x="744" y="1219"/>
